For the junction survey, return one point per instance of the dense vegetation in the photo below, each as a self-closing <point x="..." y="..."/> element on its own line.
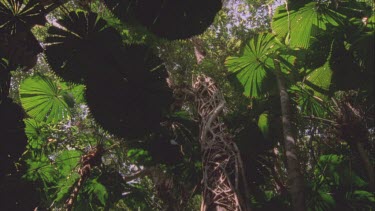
<point x="98" y="111"/>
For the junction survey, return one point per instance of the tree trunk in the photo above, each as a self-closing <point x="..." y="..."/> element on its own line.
<point x="224" y="183"/>
<point x="223" y="172"/>
<point x="295" y="179"/>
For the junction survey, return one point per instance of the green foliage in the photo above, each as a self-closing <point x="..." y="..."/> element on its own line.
<point x="67" y="161"/>
<point x="32" y="129"/>
<point x="320" y="201"/>
<point x="320" y="79"/>
<point x="361" y="200"/>
<point x="139" y="155"/>
<point x="40" y="169"/>
<point x="263" y="124"/>
<point x="299" y="23"/>
<point x="309" y="103"/>
<point x="336" y="186"/>
<point x="327" y="49"/>
<point x="253" y="67"/>
<point x="43" y="99"/>
<point x="95" y="189"/>
<point x="337" y="173"/>
<point x="64" y="187"/>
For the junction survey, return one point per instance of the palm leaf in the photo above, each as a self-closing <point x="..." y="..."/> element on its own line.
<point x="132" y="98"/>
<point x="43" y="99"/>
<point x="16" y="15"/>
<point x="307" y="101"/>
<point x="73" y="52"/>
<point x="364" y="53"/>
<point x="67" y="161"/>
<point x="32" y="129"/>
<point x="263" y="124"/>
<point x="17" y="43"/>
<point x="253" y="66"/>
<point x="170" y="19"/>
<point x="320" y="79"/>
<point x="320" y="200"/>
<point x="299" y="24"/>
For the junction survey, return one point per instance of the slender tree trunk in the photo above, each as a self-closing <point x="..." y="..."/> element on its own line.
<point x="277" y="173"/>
<point x="295" y="179"/>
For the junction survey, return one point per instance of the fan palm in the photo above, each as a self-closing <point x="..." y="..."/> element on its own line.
<point x="44" y="100"/>
<point x="300" y="22"/>
<point x="262" y="55"/>
<point x="85" y="38"/>
<point x="17" y="17"/>
<point x="126" y="88"/>
<point x="170" y="19"/>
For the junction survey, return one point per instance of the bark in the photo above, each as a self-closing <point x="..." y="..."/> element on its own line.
<point x="277" y="174"/>
<point x="223" y="175"/>
<point x="224" y="183"/>
<point x="295" y="179"/>
<point x="88" y="161"/>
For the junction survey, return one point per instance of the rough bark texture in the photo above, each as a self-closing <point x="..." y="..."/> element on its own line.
<point x="223" y="174"/>
<point x="295" y="179"/>
<point x="93" y="158"/>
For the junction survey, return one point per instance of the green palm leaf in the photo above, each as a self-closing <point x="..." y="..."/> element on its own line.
<point x="43" y="99"/>
<point x="252" y="68"/>
<point x="299" y="24"/>
<point x="320" y="78"/>
<point x="307" y="101"/>
<point x="32" y="129"/>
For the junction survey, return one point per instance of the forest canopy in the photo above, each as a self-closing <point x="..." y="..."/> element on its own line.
<point x="187" y="105"/>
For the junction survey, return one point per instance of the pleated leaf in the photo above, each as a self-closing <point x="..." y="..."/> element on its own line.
<point x="320" y="79"/>
<point x="300" y="24"/>
<point x="75" y="51"/>
<point x="170" y="19"/>
<point x="307" y="101"/>
<point x="253" y="66"/>
<point x="43" y="99"/>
